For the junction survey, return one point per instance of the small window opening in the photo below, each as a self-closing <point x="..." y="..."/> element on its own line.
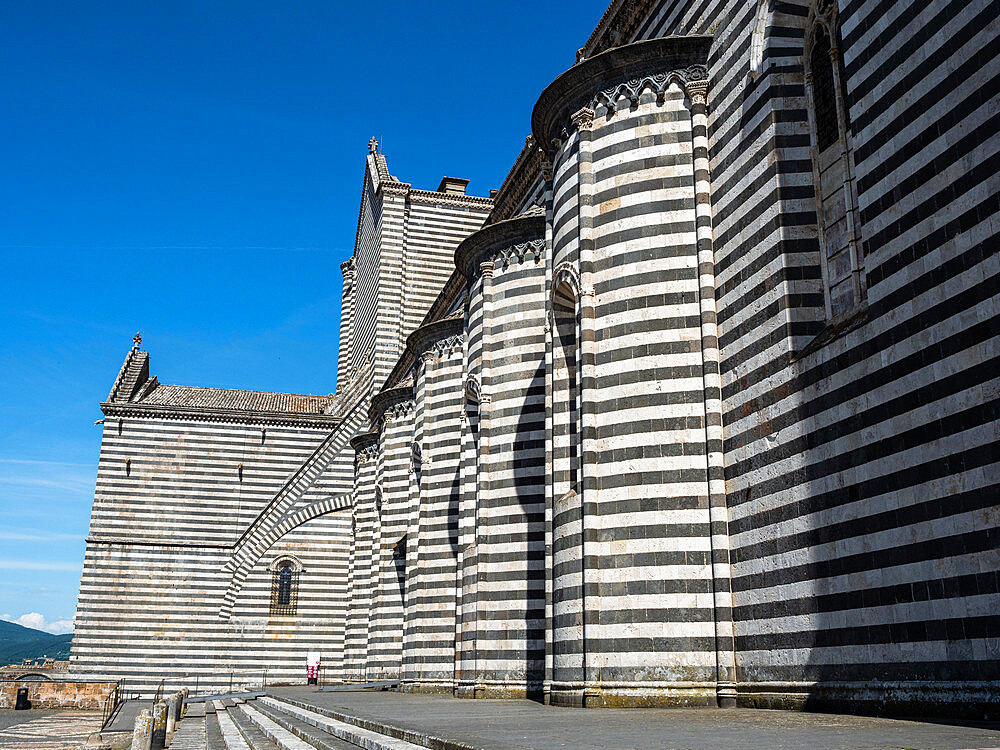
<point x="284" y="590"/>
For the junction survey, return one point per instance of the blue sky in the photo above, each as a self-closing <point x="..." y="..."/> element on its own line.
<point x="192" y="170"/>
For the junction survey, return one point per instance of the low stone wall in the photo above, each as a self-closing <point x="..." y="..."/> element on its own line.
<point x="57" y="693"/>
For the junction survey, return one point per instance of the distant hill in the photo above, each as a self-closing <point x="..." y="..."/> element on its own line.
<point x="18" y="642"/>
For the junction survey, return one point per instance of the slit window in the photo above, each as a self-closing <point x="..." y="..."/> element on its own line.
<point x="284" y="589"/>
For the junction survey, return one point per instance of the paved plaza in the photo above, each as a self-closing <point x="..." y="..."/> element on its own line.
<point x="46" y="730"/>
<point x="519" y="725"/>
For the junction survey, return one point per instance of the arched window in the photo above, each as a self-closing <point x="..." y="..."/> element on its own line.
<point x="833" y="164"/>
<point x="284" y="587"/>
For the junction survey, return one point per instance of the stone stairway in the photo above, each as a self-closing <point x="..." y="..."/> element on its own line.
<point x="268" y="723"/>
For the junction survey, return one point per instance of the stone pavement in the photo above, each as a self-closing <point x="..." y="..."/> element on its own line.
<point x="56" y="730"/>
<point x="524" y="725"/>
<point x="9" y="717"/>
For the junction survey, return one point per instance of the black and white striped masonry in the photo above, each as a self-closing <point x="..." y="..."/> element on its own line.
<point x="699" y="409"/>
<point x="756" y="489"/>
<point x="203" y="494"/>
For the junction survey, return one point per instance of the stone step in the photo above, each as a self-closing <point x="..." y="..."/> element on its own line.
<point x="213" y="732"/>
<point x="369" y="738"/>
<point x="194" y="710"/>
<point x="318" y="738"/>
<point x="231" y="737"/>
<point x="274" y="731"/>
<point x="254" y="738"/>
<point x="190" y="734"/>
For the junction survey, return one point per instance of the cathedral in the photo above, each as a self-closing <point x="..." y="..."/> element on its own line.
<point x="699" y="408"/>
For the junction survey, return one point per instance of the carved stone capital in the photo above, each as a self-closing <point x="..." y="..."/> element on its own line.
<point x="697" y="91"/>
<point x="546" y="170"/>
<point x="486" y="269"/>
<point x="583" y="118"/>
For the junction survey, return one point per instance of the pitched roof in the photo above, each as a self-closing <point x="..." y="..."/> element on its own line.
<point x="229" y="398"/>
<point x="134" y="387"/>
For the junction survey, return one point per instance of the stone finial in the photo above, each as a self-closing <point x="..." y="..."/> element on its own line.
<point x="137" y="339"/>
<point x="373" y="145"/>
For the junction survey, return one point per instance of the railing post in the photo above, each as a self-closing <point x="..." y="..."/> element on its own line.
<point x="159" y="726"/>
<point x="142" y="735"/>
<point x="173" y="712"/>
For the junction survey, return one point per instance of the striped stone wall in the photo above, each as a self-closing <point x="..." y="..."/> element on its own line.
<point x="174" y="495"/>
<point x="622" y="445"/>
<point x="405" y="242"/>
<point x="392" y="411"/>
<point x="506" y="356"/>
<point x="620" y="126"/>
<point x="860" y="474"/>
<point x="749" y="496"/>
<point x="433" y="555"/>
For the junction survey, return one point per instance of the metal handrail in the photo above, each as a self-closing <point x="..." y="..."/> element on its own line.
<point x="158" y="695"/>
<point x="112" y="703"/>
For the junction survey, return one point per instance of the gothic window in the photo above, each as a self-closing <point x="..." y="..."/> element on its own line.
<point x="833" y="165"/>
<point x="284" y="588"/>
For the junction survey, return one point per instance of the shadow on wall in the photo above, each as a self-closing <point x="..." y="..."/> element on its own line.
<point x="529" y="482"/>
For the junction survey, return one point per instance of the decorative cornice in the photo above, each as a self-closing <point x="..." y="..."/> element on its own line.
<point x="657" y="84"/>
<point x="436" y="336"/>
<point x="588" y="82"/>
<point x="518" y="253"/>
<point x="619" y="25"/>
<point x="384" y="399"/>
<point x="494" y="238"/>
<point x="432" y="196"/>
<point x="206" y="414"/>
<point x="364" y="441"/>
<point x="516" y="187"/>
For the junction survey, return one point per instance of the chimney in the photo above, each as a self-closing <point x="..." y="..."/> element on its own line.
<point x="452" y="186"/>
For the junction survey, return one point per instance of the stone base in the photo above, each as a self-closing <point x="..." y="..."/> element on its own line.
<point x="430" y="687"/>
<point x="634" y="695"/>
<point x="957" y="700"/>
<point x="499" y="690"/>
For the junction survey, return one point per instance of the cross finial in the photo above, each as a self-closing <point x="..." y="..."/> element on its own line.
<point x="137" y="339"/>
<point x="373" y="145"/>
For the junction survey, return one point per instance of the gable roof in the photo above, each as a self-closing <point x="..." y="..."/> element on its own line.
<point x="135" y="389"/>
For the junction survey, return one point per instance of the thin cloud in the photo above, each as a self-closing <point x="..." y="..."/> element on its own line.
<point x="35" y="462"/>
<point x="44" y="536"/>
<point x="39" y="565"/>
